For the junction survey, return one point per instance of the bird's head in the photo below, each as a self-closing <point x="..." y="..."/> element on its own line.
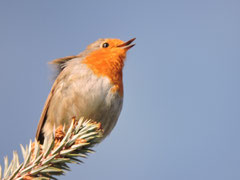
<point x="109" y="49"/>
<point x="106" y="57"/>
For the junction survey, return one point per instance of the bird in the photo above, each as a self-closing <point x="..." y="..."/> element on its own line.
<point x="88" y="85"/>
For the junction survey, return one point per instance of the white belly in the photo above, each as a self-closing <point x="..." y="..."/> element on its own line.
<point x="83" y="94"/>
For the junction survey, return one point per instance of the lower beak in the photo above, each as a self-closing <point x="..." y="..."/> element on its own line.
<point x="127" y="45"/>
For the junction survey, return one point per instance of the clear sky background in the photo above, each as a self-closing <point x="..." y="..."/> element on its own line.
<point x="181" y="113"/>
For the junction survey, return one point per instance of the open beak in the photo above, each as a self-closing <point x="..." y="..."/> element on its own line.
<point x="127" y="45"/>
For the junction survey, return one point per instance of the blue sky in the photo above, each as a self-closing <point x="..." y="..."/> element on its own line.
<point x="180" y="118"/>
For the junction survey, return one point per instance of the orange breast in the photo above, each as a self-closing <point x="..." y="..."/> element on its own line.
<point x="107" y="62"/>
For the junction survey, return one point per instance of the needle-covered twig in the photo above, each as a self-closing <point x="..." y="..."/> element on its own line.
<point x="50" y="159"/>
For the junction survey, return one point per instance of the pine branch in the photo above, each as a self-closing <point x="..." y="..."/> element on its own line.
<point x="50" y="159"/>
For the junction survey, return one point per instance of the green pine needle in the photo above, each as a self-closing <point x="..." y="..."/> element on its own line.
<point x="50" y="159"/>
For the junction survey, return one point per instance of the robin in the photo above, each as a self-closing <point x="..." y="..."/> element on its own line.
<point x="87" y="85"/>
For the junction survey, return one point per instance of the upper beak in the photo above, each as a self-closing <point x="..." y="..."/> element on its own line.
<point x="127" y="45"/>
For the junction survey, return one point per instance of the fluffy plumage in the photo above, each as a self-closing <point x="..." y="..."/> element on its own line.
<point x="89" y="85"/>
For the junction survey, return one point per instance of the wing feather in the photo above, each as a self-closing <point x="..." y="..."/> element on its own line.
<point x="60" y="66"/>
<point x="39" y="133"/>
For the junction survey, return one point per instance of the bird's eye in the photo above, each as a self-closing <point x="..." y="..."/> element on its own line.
<point x="105" y="45"/>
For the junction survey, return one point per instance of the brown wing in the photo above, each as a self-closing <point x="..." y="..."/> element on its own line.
<point x="60" y="62"/>
<point x="39" y="133"/>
